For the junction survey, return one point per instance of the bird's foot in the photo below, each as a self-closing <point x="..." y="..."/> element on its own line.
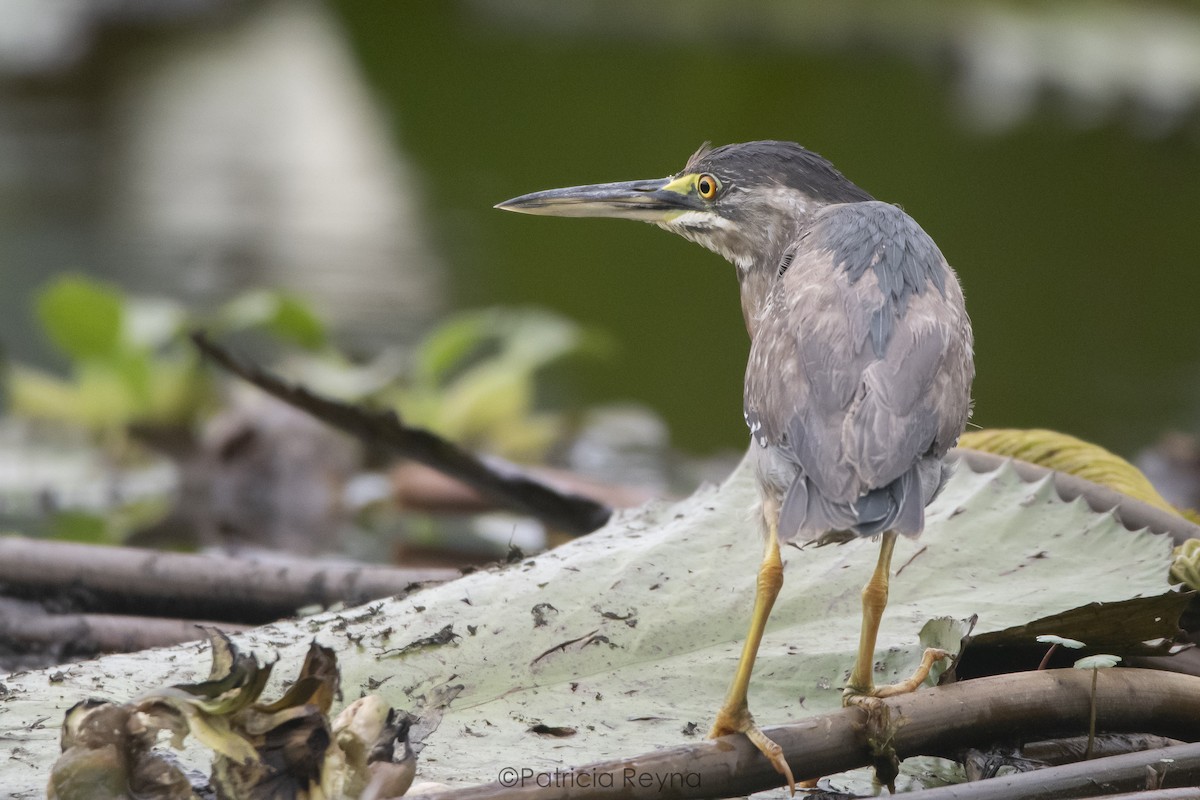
<point x="738" y="720"/>
<point x="856" y="696"/>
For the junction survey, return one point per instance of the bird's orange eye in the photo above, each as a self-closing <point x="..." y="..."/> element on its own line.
<point x="706" y="186"/>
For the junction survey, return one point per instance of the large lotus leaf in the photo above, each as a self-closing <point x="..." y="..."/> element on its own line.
<point x="625" y="640"/>
<point x="629" y="637"/>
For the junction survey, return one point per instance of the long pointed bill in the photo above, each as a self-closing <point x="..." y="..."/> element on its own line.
<point x="650" y="201"/>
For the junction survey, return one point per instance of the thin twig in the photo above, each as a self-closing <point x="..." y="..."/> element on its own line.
<point x="501" y="482"/>
<point x="910" y="560"/>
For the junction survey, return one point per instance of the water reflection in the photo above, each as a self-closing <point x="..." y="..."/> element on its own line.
<point x="228" y="149"/>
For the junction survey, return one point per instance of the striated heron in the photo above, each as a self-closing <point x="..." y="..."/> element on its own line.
<point x="860" y="367"/>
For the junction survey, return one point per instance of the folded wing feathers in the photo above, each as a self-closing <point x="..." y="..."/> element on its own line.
<point x="860" y="415"/>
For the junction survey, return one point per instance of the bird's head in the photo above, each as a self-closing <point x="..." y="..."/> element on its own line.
<point x="746" y="202"/>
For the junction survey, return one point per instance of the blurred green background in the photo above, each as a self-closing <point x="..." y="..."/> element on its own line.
<point x="1052" y="151"/>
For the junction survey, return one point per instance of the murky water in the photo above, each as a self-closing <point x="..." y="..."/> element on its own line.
<point x="1074" y="241"/>
<point x="1071" y="222"/>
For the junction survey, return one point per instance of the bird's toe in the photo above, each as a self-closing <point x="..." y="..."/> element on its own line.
<point x="853" y="696"/>
<point x="739" y="720"/>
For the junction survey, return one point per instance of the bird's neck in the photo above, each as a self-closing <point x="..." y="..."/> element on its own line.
<point x="757" y="276"/>
<point x="756" y="285"/>
<point x="758" y="264"/>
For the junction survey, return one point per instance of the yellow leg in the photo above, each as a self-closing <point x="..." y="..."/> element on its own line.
<point x="874" y="601"/>
<point x="734" y="716"/>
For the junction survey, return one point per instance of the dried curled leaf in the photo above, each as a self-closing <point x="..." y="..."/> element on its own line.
<point x="374" y="738"/>
<point x="207" y="710"/>
<point x="107" y="753"/>
<point x="282" y="749"/>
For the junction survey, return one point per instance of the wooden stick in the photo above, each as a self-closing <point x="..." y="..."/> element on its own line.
<point x="1181" y="793"/>
<point x="1179" y="767"/>
<point x="1070" y="749"/>
<point x="25" y="625"/>
<point x="149" y="582"/>
<point x="940" y="721"/>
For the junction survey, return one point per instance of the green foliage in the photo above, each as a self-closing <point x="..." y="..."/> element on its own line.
<point x="127" y="362"/>
<point x="129" y="359"/>
<point x="80" y="526"/>
<point x="475" y="379"/>
<point x="107" y="525"/>
<point x="282" y="314"/>
<point x="82" y="318"/>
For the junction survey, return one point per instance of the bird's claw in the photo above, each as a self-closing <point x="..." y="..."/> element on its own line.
<point x="740" y="721"/>
<point x="854" y="696"/>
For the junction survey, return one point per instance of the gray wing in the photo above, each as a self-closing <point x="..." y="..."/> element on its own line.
<point x="860" y="369"/>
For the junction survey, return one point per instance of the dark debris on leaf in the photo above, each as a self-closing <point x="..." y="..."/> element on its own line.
<point x="553" y="731"/>
<point x="444" y="636"/>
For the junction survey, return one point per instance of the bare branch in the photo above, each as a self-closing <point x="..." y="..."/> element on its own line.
<point x="501" y="482"/>
<point x="1177" y="767"/>
<point x="242" y="589"/>
<point x="940" y="721"/>
<point x="1181" y="793"/>
<point x="26" y="625"/>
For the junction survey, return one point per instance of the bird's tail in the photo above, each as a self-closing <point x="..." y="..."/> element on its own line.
<point x="807" y="514"/>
